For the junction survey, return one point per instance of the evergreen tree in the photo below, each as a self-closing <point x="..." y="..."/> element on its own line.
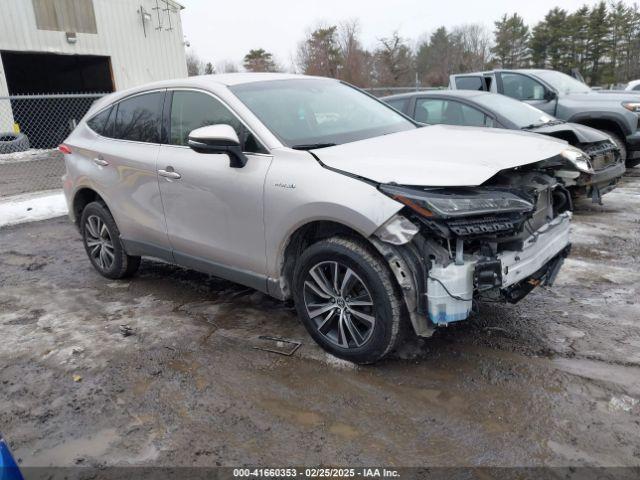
<point x="511" y="42"/>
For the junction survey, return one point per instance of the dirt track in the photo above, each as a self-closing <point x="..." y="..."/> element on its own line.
<point x="554" y="380"/>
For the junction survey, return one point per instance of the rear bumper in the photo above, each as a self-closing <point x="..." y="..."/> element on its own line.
<point x="451" y="289"/>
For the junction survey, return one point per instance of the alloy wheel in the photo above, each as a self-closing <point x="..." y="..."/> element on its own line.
<point x="99" y="242"/>
<point x="339" y="304"/>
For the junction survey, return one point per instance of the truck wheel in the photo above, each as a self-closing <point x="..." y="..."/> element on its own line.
<point x="348" y="300"/>
<point x="617" y="139"/>
<point x="102" y="243"/>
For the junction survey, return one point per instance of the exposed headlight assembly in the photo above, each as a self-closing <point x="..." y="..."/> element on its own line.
<point x="632" y="106"/>
<point x="454" y="203"/>
<point x="578" y="158"/>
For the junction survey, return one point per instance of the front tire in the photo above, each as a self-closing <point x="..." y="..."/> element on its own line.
<point x="348" y="300"/>
<point x="622" y="146"/>
<point x="102" y="243"/>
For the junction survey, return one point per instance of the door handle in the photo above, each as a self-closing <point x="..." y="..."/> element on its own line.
<point x="169" y="173"/>
<point x="100" y="161"/>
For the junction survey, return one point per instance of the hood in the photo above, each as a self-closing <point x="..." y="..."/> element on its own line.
<point x="581" y="133"/>
<point x="440" y="155"/>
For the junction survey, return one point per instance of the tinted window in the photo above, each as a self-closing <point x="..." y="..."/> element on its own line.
<point x="138" y="118"/>
<point x="637" y="87"/>
<point x="522" y="87"/>
<point x="191" y="110"/>
<point x="436" y="111"/>
<point x="98" y="122"/>
<point x="398" y="103"/>
<point x="469" y="83"/>
<point x="314" y="111"/>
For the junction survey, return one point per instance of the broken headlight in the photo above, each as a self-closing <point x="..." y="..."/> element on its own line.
<point x="453" y="203"/>
<point x="578" y="159"/>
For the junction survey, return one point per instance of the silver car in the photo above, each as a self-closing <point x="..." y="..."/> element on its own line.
<point x="308" y="189"/>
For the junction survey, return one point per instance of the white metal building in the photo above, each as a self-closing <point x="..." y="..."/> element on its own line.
<point x="72" y="46"/>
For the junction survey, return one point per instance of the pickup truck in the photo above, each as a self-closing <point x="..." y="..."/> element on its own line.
<point x="616" y="114"/>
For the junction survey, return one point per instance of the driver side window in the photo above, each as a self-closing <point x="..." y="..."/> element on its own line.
<point x="521" y="87"/>
<point x="191" y="110"/>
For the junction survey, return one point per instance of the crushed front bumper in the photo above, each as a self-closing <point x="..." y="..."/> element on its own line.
<point x="451" y="289"/>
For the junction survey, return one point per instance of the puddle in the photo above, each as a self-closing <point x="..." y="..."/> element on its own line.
<point x="65" y="454"/>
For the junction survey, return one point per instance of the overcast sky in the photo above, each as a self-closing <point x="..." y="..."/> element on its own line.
<point x="228" y="30"/>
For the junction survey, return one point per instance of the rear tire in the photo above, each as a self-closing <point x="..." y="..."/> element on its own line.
<point x="347" y="299"/>
<point x="102" y="243"/>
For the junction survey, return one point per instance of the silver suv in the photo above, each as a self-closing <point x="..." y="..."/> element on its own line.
<point x="308" y="189"/>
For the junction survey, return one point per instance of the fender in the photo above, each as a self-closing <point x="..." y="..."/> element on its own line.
<point x="616" y="118"/>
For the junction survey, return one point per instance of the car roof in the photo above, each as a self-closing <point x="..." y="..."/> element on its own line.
<point x="215" y="81"/>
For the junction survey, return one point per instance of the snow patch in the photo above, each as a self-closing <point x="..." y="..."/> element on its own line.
<point x="32" y="207"/>
<point x="624" y="403"/>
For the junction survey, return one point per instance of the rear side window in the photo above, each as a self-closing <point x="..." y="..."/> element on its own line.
<point x="191" y="110"/>
<point x="470" y="83"/>
<point x="447" y="112"/>
<point x="99" y="123"/>
<point x="637" y="87"/>
<point x="139" y="118"/>
<point x="398" y="103"/>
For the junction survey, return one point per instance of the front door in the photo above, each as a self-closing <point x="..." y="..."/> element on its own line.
<point x="526" y="89"/>
<point x="214" y="212"/>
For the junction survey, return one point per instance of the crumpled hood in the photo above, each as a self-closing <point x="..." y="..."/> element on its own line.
<point x="582" y="133"/>
<point x="440" y="155"/>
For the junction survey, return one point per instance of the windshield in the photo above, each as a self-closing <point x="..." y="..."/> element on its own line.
<point x="307" y="112"/>
<point x="562" y="83"/>
<point x="520" y="113"/>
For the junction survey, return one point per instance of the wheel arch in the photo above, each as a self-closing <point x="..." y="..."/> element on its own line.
<point x="603" y="122"/>
<point x="303" y="236"/>
<point x="83" y="197"/>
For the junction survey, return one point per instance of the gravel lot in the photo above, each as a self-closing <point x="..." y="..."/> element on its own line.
<point x="553" y="380"/>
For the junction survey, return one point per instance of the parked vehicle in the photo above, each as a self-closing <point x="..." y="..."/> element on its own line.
<point x="632" y="86"/>
<point x="482" y="109"/>
<point x="559" y="95"/>
<point x="9" y="469"/>
<point x="308" y="189"/>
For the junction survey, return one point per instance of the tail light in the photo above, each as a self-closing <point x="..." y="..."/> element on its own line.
<point x="65" y="149"/>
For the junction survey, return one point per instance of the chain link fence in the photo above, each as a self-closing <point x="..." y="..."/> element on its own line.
<point x="31" y="128"/>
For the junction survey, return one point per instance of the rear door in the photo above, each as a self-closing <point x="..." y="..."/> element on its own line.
<point x="214" y="212"/>
<point x="445" y="111"/>
<point x="123" y="160"/>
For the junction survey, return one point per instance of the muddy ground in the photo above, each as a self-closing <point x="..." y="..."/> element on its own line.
<point x="553" y="380"/>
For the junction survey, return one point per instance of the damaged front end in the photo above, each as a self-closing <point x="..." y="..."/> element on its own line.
<point x="592" y="170"/>
<point x="451" y="246"/>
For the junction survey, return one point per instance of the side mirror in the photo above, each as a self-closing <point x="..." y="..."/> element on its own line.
<point x="218" y="139"/>
<point x="550" y="95"/>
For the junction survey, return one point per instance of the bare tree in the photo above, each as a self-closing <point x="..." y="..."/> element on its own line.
<point x="393" y="62"/>
<point x="474" y="42"/>
<point x="195" y="65"/>
<point x="208" y="69"/>
<point x="356" y="61"/>
<point x="227" y="66"/>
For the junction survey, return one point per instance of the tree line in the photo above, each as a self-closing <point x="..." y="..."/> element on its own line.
<point x="602" y="42"/>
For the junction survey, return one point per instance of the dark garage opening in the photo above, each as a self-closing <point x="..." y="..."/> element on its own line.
<point x="48" y="121"/>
